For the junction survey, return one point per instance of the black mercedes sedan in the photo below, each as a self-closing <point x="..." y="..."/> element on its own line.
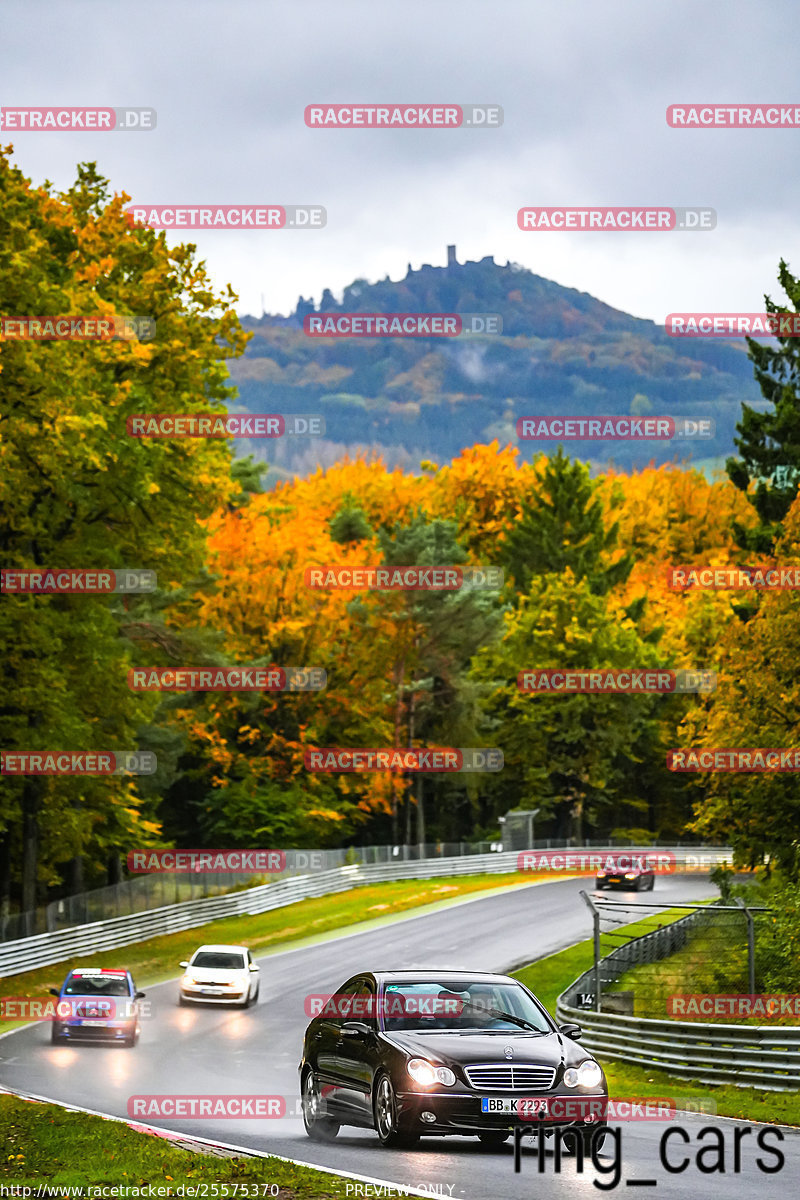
<point x="415" y="1053"/>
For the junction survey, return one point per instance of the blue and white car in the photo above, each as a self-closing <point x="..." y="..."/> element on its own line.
<point x="97" y="1004"/>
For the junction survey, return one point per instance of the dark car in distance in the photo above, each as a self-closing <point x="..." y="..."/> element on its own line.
<point x="97" y="1004"/>
<point x="437" y="1053"/>
<point x="627" y="871"/>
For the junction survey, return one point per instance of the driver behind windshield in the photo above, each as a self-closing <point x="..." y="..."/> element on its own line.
<point x="429" y="1007"/>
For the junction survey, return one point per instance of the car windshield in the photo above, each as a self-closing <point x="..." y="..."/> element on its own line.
<point x="453" y="1005"/>
<point x="97" y="985"/>
<point x="219" y="960"/>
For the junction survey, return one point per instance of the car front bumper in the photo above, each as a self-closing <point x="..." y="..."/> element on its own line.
<point x="75" y="1032"/>
<point x="458" y="1111"/>
<point x="197" y="995"/>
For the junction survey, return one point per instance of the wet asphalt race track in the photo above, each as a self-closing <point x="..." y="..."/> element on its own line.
<point x="209" y="1050"/>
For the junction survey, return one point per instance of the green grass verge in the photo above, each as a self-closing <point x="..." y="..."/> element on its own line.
<point x="551" y="976"/>
<point x="704" y="966"/>
<point x="43" y="1143"/>
<point x="157" y="959"/>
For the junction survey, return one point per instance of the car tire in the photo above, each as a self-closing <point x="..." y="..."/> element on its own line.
<point x="317" y="1127"/>
<point x="130" y="1042"/>
<point x="652" y="883"/>
<point x="182" y="1001"/>
<point x="384" y="1112"/>
<point x="493" y="1139"/>
<point x="56" y="1034"/>
<point x="599" y="887"/>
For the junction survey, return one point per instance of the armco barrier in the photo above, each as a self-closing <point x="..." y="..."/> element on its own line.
<point x="766" y="1057"/>
<point x="46" y="948"/>
<point x="143" y="892"/>
<point x="745" y="1055"/>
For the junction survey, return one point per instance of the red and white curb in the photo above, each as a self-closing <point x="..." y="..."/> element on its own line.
<point x="198" y="1144"/>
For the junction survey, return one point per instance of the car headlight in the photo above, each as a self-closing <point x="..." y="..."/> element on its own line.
<point x="588" y="1074"/>
<point x="630" y="874"/>
<point x="426" y="1074"/>
<point x="602" y="874"/>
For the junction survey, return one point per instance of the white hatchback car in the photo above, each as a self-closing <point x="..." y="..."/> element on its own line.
<point x="220" y="975"/>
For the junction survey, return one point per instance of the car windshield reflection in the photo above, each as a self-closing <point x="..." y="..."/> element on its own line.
<point x="219" y="961"/>
<point x="97" y="986"/>
<point x="445" y="1005"/>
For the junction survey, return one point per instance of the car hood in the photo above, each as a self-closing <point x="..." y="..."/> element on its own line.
<point x="464" y="1049"/>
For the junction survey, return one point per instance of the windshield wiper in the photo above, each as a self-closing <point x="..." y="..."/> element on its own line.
<point x="498" y="1014"/>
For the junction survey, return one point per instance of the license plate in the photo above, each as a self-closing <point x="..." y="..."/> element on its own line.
<point x="527" y="1107"/>
<point x="211" y="991"/>
<point x="103" y="1023"/>
<point x="615" y="879"/>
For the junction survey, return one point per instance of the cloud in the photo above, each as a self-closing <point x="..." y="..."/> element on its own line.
<point x="584" y="89"/>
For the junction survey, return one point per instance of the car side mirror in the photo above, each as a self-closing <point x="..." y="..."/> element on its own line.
<point x="139" y="995"/>
<point x="54" y="991"/>
<point x="183" y="964"/>
<point x="355" y="1029"/>
<point x="253" y="967"/>
<point x="571" y="1030"/>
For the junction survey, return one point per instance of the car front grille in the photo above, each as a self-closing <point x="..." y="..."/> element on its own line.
<point x="510" y="1077"/>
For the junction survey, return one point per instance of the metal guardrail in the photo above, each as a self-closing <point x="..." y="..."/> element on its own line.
<point x="47" y="948"/>
<point x="144" y="892"/>
<point x="767" y="1057"/>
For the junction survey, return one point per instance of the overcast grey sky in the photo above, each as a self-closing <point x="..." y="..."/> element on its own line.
<point x="584" y="85"/>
